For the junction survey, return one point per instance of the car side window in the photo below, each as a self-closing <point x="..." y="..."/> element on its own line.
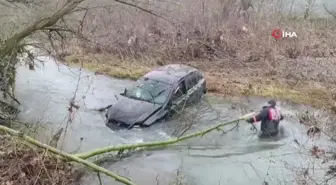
<point x="199" y="76"/>
<point x="196" y="78"/>
<point x="179" y="91"/>
<point x="192" y="80"/>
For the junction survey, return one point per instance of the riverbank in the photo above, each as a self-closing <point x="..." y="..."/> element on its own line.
<point x="286" y="80"/>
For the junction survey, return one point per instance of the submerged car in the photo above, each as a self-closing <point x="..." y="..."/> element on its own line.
<point x="156" y="96"/>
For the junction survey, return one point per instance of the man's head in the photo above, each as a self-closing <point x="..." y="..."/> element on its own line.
<point x="271" y="103"/>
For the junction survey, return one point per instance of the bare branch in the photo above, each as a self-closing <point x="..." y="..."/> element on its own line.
<point x="143" y="9"/>
<point x="329" y="11"/>
<point x="39" y="25"/>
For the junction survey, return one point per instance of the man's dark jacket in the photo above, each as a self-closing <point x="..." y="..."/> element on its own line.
<point x="270" y="118"/>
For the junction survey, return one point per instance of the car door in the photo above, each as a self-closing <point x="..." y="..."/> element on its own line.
<point x="192" y="85"/>
<point x="178" y="99"/>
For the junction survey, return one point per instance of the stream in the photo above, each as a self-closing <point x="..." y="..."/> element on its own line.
<point x="237" y="157"/>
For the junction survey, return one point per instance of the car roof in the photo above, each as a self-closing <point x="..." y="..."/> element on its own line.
<point x="171" y="73"/>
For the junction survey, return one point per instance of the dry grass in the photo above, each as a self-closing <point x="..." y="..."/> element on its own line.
<point x="204" y="30"/>
<point x="224" y="82"/>
<point x="238" y="57"/>
<point x="104" y="65"/>
<point x="23" y="164"/>
<point x="302" y="93"/>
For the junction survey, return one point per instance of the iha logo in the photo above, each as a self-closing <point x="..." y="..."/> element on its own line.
<point x="278" y="34"/>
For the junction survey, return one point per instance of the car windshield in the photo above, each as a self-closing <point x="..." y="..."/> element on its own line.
<point x="149" y="90"/>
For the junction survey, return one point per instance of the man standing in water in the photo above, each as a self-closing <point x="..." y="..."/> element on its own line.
<point x="270" y="118"/>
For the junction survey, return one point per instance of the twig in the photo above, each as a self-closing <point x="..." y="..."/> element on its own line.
<point x="11" y="96"/>
<point x="143" y="9"/>
<point x="328" y="11"/>
<point x="314" y="123"/>
<point x="99" y="178"/>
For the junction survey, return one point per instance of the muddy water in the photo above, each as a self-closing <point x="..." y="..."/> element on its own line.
<point x="235" y="158"/>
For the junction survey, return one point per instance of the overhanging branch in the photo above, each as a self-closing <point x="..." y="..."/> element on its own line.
<point x="39" y="25"/>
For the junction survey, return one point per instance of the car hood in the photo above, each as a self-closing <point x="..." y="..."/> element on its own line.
<point x="128" y="110"/>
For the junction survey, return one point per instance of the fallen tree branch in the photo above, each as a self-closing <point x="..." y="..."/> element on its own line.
<point x="70" y="157"/>
<point x="100" y="151"/>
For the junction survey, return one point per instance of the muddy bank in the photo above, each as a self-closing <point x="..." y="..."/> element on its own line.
<point x="236" y="158"/>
